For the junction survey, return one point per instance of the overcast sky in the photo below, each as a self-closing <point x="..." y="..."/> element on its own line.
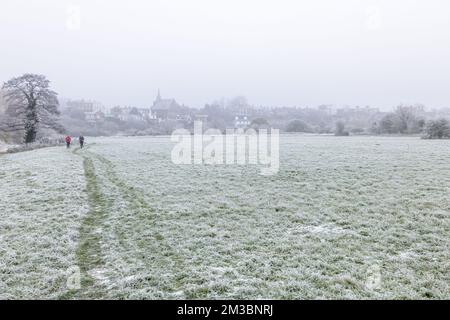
<point x="279" y="52"/>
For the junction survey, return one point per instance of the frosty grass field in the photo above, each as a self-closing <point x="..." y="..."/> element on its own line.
<point x="340" y="213"/>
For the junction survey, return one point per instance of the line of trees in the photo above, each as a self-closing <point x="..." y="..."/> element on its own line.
<point x="404" y="120"/>
<point x="33" y="106"/>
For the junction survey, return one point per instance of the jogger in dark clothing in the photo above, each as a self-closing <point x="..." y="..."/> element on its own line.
<point x="81" y="139"/>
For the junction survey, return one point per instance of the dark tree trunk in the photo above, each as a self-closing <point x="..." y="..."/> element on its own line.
<point x="30" y="134"/>
<point x="31" y="124"/>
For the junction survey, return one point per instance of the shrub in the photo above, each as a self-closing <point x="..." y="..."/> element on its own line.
<point x="298" y="126"/>
<point x="437" y="129"/>
<point x="389" y="124"/>
<point x="340" y="129"/>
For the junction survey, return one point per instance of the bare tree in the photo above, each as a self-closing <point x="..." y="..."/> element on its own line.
<point x="390" y="123"/>
<point x="30" y="101"/>
<point x="407" y="116"/>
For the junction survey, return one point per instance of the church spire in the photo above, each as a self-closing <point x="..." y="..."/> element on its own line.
<point x="158" y="97"/>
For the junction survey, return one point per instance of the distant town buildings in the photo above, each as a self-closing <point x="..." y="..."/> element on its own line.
<point x="161" y="107"/>
<point x="169" y="109"/>
<point x="356" y="111"/>
<point x="85" y="106"/>
<point x="165" y="113"/>
<point x="93" y="111"/>
<point x="161" y="110"/>
<point x="131" y="114"/>
<point x="96" y="116"/>
<point x="242" y="119"/>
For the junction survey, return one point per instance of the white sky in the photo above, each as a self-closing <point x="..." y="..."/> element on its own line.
<point x="279" y="52"/>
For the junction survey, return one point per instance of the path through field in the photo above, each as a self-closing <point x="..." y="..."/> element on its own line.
<point x="357" y="217"/>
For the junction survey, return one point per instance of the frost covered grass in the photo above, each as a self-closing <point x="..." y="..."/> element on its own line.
<point x="357" y="217"/>
<point x="42" y="199"/>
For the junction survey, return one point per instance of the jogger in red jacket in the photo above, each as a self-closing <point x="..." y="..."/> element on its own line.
<point x="68" y="141"/>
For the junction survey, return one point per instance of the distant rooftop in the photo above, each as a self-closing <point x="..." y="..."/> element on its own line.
<point x="163" y="104"/>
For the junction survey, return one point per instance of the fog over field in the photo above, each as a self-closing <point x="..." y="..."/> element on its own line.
<point x="285" y="53"/>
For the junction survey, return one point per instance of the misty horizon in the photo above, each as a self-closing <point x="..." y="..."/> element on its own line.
<point x="356" y="53"/>
<point x="224" y="102"/>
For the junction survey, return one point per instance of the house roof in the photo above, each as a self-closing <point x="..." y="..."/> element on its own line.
<point x="164" y="104"/>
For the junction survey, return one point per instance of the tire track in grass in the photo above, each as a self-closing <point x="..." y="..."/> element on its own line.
<point x="133" y="197"/>
<point x="89" y="249"/>
<point x="143" y="212"/>
<point x="88" y="252"/>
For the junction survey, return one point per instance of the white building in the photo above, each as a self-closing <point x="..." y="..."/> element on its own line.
<point x="241" y="119"/>
<point x="86" y="106"/>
